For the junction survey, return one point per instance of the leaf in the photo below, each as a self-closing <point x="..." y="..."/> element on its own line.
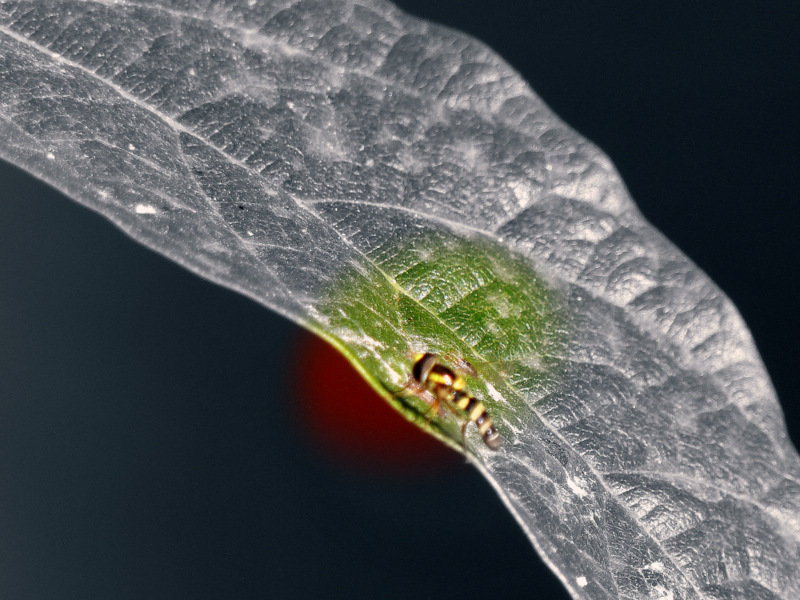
<point x="309" y="154"/>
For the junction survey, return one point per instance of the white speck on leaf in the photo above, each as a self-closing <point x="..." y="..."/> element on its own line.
<point x="145" y="209"/>
<point x="656" y="566"/>
<point x="575" y="488"/>
<point x="522" y="192"/>
<point x="494" y="394"/>
<point x="581" y="581"/>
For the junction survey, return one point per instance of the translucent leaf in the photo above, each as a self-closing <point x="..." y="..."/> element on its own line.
<point x="393" y="186"/>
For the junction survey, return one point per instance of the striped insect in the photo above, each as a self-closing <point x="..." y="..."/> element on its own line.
<point x="438" y="384"/>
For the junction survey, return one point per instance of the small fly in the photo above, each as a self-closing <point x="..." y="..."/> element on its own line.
<point x="438" y="384"/>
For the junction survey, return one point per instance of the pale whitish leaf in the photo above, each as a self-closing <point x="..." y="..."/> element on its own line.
<point x="282" y="148"/>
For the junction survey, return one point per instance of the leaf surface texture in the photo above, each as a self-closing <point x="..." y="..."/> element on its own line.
<point x="283" y="148"/>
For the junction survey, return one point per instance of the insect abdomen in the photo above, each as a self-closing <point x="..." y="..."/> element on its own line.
<point x="476" y="412"/>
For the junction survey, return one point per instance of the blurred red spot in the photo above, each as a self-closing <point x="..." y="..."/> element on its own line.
<point x="352" y="423"/>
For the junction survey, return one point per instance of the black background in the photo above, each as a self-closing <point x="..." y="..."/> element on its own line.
<point x="148" y="441"/>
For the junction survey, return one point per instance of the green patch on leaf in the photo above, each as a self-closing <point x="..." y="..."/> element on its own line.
<point x="459" y="298"/>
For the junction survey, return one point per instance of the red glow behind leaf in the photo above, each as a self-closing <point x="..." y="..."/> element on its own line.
<point x="351" y="423"/>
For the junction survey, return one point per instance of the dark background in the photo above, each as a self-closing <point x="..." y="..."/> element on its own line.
<point x="150" y="443"/>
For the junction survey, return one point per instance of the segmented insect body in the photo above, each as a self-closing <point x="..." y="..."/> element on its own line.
<point x="438" y="384"/>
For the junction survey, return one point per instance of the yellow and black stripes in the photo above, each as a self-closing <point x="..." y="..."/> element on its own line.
<point x="439" y="384"/>
<point x="474" y="411"/>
